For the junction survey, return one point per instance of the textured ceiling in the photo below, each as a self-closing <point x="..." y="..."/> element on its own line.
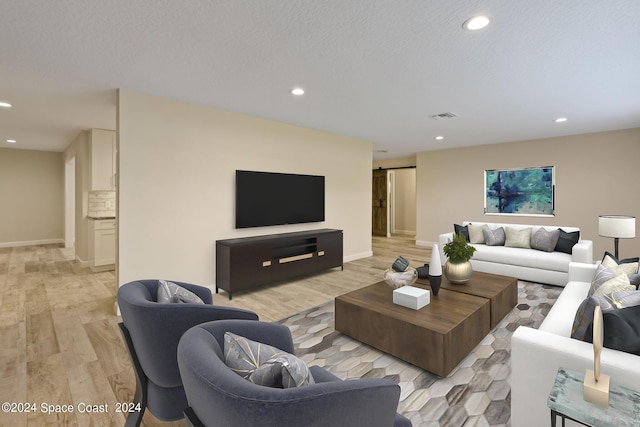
<point x="372" y="69"/>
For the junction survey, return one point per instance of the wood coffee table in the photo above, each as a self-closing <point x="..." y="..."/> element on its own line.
<point x="436" y="337"/>
<point x="502" y="291"/>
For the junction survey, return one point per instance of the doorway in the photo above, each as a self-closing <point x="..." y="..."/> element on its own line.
<point x="394" y="202"/>
<point x="380" y="217"/>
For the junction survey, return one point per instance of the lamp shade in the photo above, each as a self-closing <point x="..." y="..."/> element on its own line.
<point x="619" y="226"/>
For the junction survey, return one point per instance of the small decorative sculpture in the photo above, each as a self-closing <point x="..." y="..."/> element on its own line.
<point x="435" y="270"/>
<point x="596" y="385"/>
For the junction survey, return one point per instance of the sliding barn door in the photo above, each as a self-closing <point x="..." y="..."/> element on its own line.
<point x="379" y="203"/>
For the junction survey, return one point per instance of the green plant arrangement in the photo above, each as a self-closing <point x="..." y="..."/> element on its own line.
<point x="458" y="250"/>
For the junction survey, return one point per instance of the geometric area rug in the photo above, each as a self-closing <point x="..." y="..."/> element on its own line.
<point x="475" y="394"/>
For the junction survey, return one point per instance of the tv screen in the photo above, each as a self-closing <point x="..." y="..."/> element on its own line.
<point x="267" y="198"/>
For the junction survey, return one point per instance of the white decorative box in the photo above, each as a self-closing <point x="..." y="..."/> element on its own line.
<point x="411" y="297"/>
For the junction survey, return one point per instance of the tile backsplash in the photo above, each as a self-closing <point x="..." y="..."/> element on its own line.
<point x="102" y="203"/>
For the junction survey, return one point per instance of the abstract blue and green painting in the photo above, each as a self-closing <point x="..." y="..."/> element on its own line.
<point x="519" y="191"/>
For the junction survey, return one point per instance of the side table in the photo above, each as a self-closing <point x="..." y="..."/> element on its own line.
<point x="566" y="400"/>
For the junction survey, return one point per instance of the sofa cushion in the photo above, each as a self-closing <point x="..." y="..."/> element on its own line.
<point x="263" y="364"/>
<point x="554" y="261"/>
<point x="567" y="240"/>
<point x="614" y="301"/>
<point x="518" y="238"/>
<point x="495" y="237"/>
<point x="475" y="233"/>
<point x="545" y="240"/>
<point x="169" y="292"/>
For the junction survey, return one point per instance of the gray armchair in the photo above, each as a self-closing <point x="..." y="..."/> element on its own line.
<point x="151" y="332"/>
<point x="217" y="396"/>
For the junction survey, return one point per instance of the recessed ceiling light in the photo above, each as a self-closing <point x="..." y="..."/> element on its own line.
<point x="439" y="137"/>
<point x="560" y="120"/>
<point x="476" y="23"/>
<point x="11" y="141"/>
<point x="297" y="91"/>
<point x="5" y="104"/>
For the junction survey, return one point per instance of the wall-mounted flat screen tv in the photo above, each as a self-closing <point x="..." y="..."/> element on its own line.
<point x="267" y="198"/>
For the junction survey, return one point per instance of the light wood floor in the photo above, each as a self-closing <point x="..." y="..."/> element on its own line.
<point x="60" y="344"/>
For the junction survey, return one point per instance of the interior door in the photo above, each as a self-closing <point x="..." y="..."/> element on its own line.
<point x="379" y="203"/>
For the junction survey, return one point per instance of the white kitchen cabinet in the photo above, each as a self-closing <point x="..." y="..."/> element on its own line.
<point x="102" y="244"/>
<point x="102" y="159"/>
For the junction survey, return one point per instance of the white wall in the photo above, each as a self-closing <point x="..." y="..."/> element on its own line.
<point x="176" y="183"/>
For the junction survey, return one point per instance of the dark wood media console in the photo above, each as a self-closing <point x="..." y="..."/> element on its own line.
<point x="248" y="262"/>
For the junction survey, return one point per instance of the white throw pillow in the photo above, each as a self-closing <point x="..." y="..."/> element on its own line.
<point x="475" y="233"/>
<point x="518" y="238"/>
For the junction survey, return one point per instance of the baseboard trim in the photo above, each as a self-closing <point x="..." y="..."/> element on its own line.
<point x="354" y="257"/>
<point x="405" y="232"/>
<point x="83" y="264"/>
<point x="31" y="243"/>
<point x="425" y="243"/>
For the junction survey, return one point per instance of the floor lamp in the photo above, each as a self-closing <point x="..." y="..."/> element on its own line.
<point x="618" y="227"/>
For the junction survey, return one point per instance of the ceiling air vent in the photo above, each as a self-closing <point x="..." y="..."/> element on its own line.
<point x="441" y="116"/>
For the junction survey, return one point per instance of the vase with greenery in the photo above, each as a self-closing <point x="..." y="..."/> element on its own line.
<point x="458" y="269"/>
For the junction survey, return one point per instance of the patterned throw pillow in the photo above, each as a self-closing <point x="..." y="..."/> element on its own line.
<point x="614" y="301"/>
<point x="263" y="364"/>
<point x="566" y="241"/>
<point x="606" y="282"/>
<point x="494" y="237"/>
<point x="518" y="238"/>
<point x="169" y="292"/>
<point x="475" y="233"/>
<point x="545" y="240"/>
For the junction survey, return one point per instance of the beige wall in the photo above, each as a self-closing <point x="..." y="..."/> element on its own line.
<point x="595" y="174"/>
<point x="176" y="183"/>
<point x="400" y="162"/>
<point x="405" y="201"/>
<point x="31" y="197"/>
<point x="79" y="149"/>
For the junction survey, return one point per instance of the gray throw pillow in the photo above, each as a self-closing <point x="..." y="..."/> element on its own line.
<point x="494" y="237"/>
<point x="545" y="240"/>
<point x="169" y="292"/>
<point x="518" y="238"/>
<point x="263" y="364"/>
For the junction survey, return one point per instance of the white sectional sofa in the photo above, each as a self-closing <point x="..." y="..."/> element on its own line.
<point x="536" y="355"/>
<point x="526" y="264"/>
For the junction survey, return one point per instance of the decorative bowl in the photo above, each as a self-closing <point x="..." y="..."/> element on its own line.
<point x="398" y="279"/>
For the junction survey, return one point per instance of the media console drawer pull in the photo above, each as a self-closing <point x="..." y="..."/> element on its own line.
<point x="320" y="253"/>
<point x="294" y="258"/>
<point x="266" y="263"/>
